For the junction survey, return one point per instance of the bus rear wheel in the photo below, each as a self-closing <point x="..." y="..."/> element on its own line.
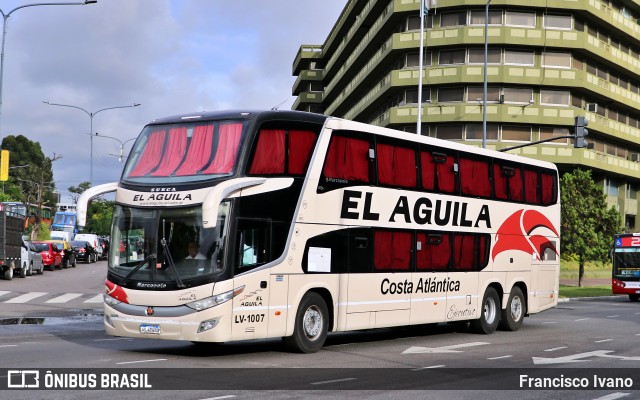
<point x="634" y="297"/>
<point x="511" y="317"/>
<point x="490" y="313"/>
<point x="311" y="325"/>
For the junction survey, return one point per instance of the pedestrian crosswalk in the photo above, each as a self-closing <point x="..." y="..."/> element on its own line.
<point x="9" y="297"/>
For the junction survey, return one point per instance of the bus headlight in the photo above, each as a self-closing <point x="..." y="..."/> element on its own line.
<point x="110" y="301"/>
<point x="213" y="301"/>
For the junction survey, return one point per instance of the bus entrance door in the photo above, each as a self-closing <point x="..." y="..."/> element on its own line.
<point x="250" y="308"/>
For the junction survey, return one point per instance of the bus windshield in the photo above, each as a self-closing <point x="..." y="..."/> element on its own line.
<point x="185" y="152"/>
<point x="626" y="263"/>
<point x="167" y="245"/>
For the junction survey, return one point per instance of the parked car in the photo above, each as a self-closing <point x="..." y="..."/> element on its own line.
<point x="51" y="254"/>
<point x="92" y="238"/>
<point x="68" y="253"/>
<point x="84" y="251"/>
<point x="31" y="259"/>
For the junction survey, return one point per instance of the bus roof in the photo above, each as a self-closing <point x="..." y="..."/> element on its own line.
<point x="242" y="114"/>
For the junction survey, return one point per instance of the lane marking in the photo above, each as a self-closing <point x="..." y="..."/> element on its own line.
<point x="3" y="292"/>
<point x="9" y="345"/>
<point x="613" y="316"/>
<point x="112" y="339"/>
<point x="613" y="396"/>
<point x="602" y="341"/>
<point x="26" y="297"/>
<point x="582" y="319"/>
<point x="141" y="361"/>
<point x="557" y="348"/>
<point x="499" y="357"/>
<point x="430" y="367"/>
<point x="333" y="381"/>
<point x="64" y="298"/>
<point x="95" y="299"/>
<point x="221" y="397"/>
<point x="550" y="322"/>
<point x="444" y="349"/>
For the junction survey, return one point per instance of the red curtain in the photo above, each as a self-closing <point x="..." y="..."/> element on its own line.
<point x="174" y="153"/>
<point x="500" y="182"/>
<point x="435" y="253"/>
<point x="268" y="157"/>
<point x="301" y="144"/>
<point x="428" y="169"/>
<point x="464" y="252"/>
<point x="392" y="250"/>
<point x="548" y="188"/>
<point x="474" y="177"/>
<point x="151" y="154"/>
<point x="396" y="166"/>
<point x="348" y="159"/>
<point x="199" y="151"/>
<point x="531" y="186"/>
<point x="438" y="167"/>
<point x="512" y="191"/>
<point x="227" y="151"/>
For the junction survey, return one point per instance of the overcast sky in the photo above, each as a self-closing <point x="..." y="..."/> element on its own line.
<point x="171" y="56"/>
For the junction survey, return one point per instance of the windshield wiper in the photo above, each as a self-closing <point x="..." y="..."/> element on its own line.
<point x="172" y="265"/>
<point x="136" y="268"/>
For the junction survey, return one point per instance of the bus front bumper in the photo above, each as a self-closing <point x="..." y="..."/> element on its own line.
<point x="203" y="326"/>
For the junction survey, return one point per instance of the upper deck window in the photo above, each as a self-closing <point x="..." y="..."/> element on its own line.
<point x="282" y="152"/>
<point x="185" y="152"/>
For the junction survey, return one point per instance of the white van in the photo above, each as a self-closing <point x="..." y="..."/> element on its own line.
<point x="92" y="238"/>
<point x="60" y="235"/>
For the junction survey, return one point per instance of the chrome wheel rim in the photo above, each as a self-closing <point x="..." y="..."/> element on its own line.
<point x="312" y="322"/>
<point x="516" y="308"/>
<point x="490" y="310"/>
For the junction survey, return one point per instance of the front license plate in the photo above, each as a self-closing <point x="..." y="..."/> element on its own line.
<point x="153" y="329"/>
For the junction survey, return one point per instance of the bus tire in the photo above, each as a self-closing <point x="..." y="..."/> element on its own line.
<point x="512" y="316"/>
<point x="489" y="313"/>
<point x="311" y="325"/>
<point x="634" y="297"/>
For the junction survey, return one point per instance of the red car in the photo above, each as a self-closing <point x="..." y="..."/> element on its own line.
<point x="51" y="254"/>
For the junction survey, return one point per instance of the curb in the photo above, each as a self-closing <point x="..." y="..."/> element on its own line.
<point x="567" y="299"/>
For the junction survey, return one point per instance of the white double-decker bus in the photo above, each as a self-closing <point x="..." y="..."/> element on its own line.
<point x="306" y="224"/>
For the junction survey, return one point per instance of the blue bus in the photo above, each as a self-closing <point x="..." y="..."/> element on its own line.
<point x="64" y="221"/>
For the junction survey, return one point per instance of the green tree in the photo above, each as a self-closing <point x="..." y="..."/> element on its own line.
<point x="588" y="225"/>
<point x="32" y="182"/>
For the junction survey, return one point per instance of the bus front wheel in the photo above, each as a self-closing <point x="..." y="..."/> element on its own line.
<point x="511" y="317"/>
<point x="311" y="325"/>
<point x="634" y="297"/>
<point x="489" y="313"/>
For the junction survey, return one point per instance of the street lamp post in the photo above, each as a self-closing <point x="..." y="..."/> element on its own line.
<point x="121" y="155"/>
<point x="4" y="34"/>
<point x="91" y="115"/>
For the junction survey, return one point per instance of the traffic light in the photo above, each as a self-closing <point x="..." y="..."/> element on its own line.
<point x="580" y="132"/>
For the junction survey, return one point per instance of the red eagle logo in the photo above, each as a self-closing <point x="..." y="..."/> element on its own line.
<point x="515" y="234"/>
<point x="150" y="311"/>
